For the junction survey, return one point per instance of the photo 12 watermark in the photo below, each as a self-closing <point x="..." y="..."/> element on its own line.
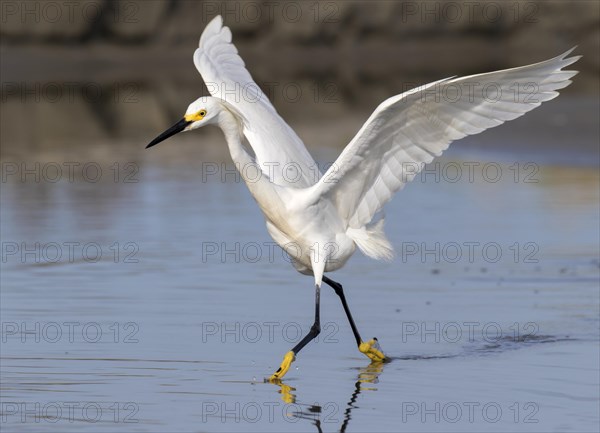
<point x="269" y="12"/>
<point x="70" y="92"/>
<point x="69" y="252"/>
<point x="471" y="12"/>
<point x="69" y="332"/>
<point x="268" y="412"/>
<point x="469" y="252"/>
<point x="69" y="171"/>
<point x="453" y="412"/>
<point x="64" y="12"/>
<point x="264" y="332"/>
<point x="68" y="412"/>
<point x="290" y="92"/>
<point x="462" y="332"/>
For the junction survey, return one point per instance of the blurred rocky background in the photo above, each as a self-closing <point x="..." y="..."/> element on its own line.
<point x="100" y="71"/>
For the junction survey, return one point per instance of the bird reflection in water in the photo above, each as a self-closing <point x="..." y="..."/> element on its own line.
<point x="367" y="377"/>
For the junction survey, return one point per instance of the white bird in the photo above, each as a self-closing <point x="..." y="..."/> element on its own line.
<point x="321" y="220"/>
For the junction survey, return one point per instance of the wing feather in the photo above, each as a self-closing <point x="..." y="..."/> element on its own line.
<point x="407" y="131"/>
<point x="274" y="143"/>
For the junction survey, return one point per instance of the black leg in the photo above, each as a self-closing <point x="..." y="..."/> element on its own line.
<point x="340" y="292"/>
<point x="315" y="330"/>
<point x="370" y="348"/>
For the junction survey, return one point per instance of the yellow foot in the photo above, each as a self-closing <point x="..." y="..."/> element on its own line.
<point x="285" y="366"/>
<point x="373" y="350"/>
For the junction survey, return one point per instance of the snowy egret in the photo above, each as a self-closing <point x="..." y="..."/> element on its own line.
<point x="320" y="221"/>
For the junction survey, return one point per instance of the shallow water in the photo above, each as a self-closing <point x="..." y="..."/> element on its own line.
<point x="489" y="312"/>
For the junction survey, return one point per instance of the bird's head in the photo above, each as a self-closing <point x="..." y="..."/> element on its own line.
<point x="203" y="111"/>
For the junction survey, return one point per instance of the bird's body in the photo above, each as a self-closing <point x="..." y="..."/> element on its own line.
<point x="321" y="219"/>
<point x="297" y="219"/>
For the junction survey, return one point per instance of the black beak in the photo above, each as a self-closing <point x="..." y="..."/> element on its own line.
<point x="178" y="127"/>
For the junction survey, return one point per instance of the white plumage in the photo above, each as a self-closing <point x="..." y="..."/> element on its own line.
<point x="226" y="78"/>
<point x="320" y="219"/>
<point x="407" y="131"/>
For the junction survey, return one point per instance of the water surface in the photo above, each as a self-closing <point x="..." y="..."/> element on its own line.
<point x="190" y="306"/>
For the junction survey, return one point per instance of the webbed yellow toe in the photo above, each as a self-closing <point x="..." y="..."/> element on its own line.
<point x="373" y="350"/>
<point x="285" y="366"/>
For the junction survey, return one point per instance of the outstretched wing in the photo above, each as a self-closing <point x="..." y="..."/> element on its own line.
<point x="407" y="131"/>
<point x="279" y="151"/>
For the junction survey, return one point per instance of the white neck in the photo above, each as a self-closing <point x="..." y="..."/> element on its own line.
<point x="232" y="128"/>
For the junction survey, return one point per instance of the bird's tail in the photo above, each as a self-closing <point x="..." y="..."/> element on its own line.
<point x="371" y="240"/>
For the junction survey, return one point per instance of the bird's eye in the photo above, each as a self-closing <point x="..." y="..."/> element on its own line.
<point x="202" y="113"/>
